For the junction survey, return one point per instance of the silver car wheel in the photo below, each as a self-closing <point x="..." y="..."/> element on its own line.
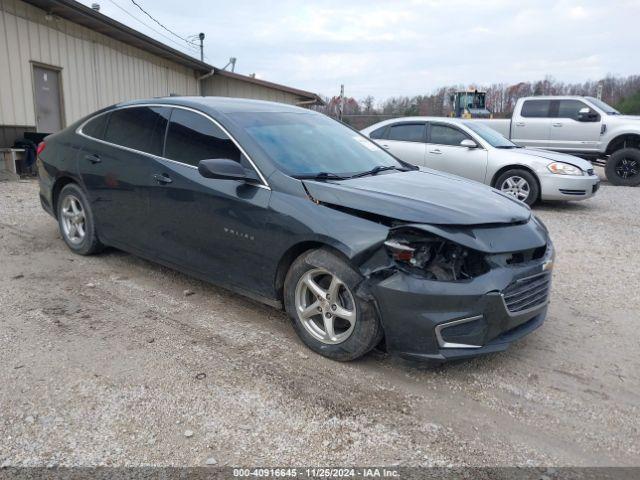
<point x="73" y="219"/>
<point x="325" y="306"/>
<point x="517" y="187"/>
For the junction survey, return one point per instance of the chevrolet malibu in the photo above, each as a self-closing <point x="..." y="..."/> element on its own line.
<point x="474" y="151"/>
<point x="296" y="210"/>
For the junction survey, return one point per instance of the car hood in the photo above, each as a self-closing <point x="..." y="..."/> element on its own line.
<point x="422" y="196"/>
<point x="624" y="118"/>
<point x="553" y="157"/>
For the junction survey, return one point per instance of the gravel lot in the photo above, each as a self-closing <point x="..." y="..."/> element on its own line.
<point x="106" y="361"/>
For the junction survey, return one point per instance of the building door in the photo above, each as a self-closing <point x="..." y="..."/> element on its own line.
<point x="48" y="100"/>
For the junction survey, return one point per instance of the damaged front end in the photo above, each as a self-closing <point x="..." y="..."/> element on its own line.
<point x="447" y="292"/>
<point x="456" y="276"/>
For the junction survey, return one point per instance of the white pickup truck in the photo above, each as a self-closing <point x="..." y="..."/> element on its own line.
<point x="582" y="126"/>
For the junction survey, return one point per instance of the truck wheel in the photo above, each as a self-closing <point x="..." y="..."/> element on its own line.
<point x="623" y="167"/>
<point x="520" y="184"/>
<point x="320" y="296"/>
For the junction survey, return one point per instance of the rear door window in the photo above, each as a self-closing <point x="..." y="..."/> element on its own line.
<point x="446" y="135"/>
<point x="536" y="109"/>
<point x="378" y="133"/>
<point x="139" y="128"/>
<point x="96" y="126"/>
<point x="407" y="132"/>
<point x="192" y="137"/>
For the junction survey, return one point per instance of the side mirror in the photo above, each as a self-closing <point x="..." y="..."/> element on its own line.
<point x="585" y="114"/>
<point x="468" y="143"/>
<point x="225" y="169"/>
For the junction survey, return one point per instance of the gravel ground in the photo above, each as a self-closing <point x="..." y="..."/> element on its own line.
<point x="106" y="361"/>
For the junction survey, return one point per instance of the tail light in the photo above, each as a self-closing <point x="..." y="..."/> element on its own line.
<point x="40" y="148"/>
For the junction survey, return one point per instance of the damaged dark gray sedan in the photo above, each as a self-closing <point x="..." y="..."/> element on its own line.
<point x="296" y="210"/>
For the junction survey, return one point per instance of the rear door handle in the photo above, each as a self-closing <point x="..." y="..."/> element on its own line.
<point x="436" y="151"/>
<point x="162" y="179"/>
<point x="556" y="124"/>
<point x="519" y="124"/>
<point x="384" y="145"/>
<point x="93" y="158"/>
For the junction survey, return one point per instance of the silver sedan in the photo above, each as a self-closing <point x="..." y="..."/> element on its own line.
<point x="475" y="151"/>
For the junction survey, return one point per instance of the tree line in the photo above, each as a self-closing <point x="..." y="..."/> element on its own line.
<point x="621" y="92"/>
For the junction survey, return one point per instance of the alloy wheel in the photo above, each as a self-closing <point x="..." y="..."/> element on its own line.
<point x="517" y="187"/>
<point x="73" y="219"/>
<point x="325" y="306"/>
<point x="627" y="168"/>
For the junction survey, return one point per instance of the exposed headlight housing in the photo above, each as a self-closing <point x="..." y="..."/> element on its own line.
<point x="433" y="257"/>
<point x="561" y="168"/>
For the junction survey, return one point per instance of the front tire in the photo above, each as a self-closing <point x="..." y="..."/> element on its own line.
<point x="623" y="167"/>
<point x="320" y="296"/>
<point x="75" y="221"/>
<point x="520" y="184"/>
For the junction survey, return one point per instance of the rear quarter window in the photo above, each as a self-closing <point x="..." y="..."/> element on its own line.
<point x="95" y="127"/>
<point x="378" y="133"/>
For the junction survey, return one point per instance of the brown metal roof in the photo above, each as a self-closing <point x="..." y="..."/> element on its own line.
<point x="82" y="15"/>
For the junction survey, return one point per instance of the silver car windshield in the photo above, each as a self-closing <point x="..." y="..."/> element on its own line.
<point x="489" y="135"/>
<point x="608" y="109"/>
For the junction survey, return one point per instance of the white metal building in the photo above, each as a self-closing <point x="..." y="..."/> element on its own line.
<point x="60" y="60"/>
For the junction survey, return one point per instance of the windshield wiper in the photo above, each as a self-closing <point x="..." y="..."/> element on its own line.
<point x="319" y="176"/>
<point x="376" y="170"/>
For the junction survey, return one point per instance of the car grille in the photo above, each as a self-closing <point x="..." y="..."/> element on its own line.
<point x="527" y="293"/>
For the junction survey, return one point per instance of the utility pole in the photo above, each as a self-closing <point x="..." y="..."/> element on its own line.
<point x="599" y="91"/>
<point x="201" y="37"/>
<point x="341" y="102"/>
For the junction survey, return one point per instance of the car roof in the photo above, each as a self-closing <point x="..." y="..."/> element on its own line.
<point x="221" y="105"/>
<point x="413" y="119"/>
<point x="556" y="97"/>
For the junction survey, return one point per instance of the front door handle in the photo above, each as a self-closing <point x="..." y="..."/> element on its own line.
<point x="519" y="124"/>
<point x="162" y="179"/>
<point x="556" y="124"/>
<point x="93" y="158"/>
<point x="436" y="151"/>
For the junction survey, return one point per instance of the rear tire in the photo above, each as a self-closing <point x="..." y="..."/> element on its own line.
<point x="623" y="167"/>
<point x="520" y="184"/>
<point x="320" y="296"/>
<point x="75" y="221"/>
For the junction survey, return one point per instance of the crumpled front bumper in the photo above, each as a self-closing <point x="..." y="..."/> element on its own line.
<point x="426" y="319"/>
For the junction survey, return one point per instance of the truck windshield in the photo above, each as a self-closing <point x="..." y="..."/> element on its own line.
<point x="489" y="135"/>
<point x="608" y="109"/>
<point x="306" y="144"/>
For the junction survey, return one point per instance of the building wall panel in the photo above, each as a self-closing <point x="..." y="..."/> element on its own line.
<point x="96" y="71"/>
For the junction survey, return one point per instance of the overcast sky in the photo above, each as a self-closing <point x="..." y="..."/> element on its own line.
<point x="402" y="47"/>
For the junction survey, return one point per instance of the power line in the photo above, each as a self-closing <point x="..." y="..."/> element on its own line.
<point x="146" y="25"/>
<point x="151" y="28"/>
<point x="152" y="18"/>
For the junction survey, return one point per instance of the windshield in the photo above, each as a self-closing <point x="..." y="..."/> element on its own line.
<point x="305" y="144"/>
<point x="608" y="109"/>
<point x="489" y="135"/>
